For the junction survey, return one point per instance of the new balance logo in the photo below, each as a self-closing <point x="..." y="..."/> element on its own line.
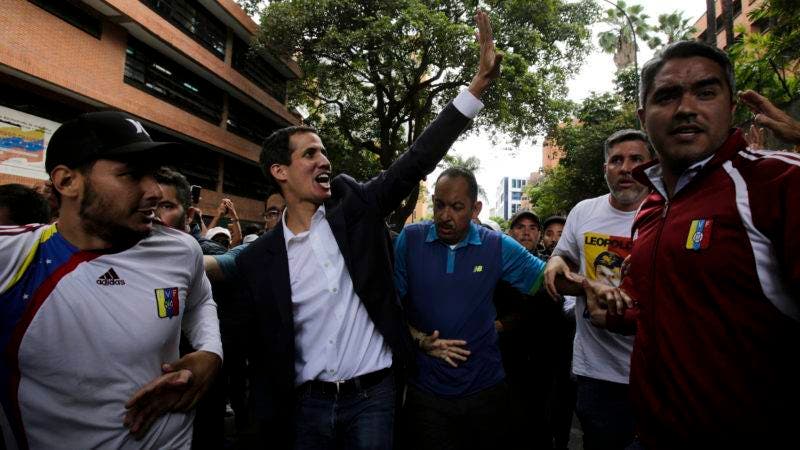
<point x="110" y="278"/>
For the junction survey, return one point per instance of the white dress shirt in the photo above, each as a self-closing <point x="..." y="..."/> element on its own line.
<point x="335" y="339"/>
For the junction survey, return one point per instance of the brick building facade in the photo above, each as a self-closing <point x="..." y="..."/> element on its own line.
<point x="182" y="67"/>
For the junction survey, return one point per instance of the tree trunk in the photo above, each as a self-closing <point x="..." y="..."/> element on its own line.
<point x="711" y="22"/>
<point x="727" y="11"/>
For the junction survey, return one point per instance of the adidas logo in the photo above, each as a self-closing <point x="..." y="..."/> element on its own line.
<point x="110" y="278"/>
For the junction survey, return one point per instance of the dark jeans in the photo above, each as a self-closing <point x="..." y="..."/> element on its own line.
<point x="563" y="395"/>
<point x="605" y="414"/>
<point x="362" y="420"/>
<point x="479" y="421"/>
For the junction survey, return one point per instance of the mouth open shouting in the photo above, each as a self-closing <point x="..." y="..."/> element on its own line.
<point x="323" y="182"/>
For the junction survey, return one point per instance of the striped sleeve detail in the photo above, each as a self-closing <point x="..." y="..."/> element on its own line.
<point x="41" y="295"/>
<point x="46" y="234"/>
<point x="766" y="261"/>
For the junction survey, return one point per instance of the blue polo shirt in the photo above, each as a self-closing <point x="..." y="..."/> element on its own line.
<point x="450" y="289"/>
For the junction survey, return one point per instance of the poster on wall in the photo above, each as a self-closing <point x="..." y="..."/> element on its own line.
<point x="23" y="140"/>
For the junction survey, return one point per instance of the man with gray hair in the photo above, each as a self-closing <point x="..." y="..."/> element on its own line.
<point x="595" y="239"/>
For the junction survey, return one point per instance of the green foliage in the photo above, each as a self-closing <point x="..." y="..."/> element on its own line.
<point x="378" y="70"/>
<point x="626" y="82"/>
<point x="473" y="164"/>
<point x="579" y="175"/>
<point x="252" y="7"/>
<point x="500" y="221"/>
<point x="767" y="62"/>
<point x="672" y="27"/>
<point x="619" y="39"/>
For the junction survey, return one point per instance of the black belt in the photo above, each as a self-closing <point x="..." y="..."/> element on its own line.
<point x="347" y="387"/>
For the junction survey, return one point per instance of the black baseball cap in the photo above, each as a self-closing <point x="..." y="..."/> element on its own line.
<point x="554" y="219"/>
<point x="521" y="214"/>
<point x="101" y="135"/>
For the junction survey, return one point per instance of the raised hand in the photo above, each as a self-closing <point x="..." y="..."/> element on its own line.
<point x="490" y="60"/>
<point x="770" y="116"/>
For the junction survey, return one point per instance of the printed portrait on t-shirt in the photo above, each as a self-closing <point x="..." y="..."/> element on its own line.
<point x="604" y="256"/>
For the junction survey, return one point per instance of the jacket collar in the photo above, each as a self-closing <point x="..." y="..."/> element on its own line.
<point x="473" y="236"/>
<point x="650" y="174"/>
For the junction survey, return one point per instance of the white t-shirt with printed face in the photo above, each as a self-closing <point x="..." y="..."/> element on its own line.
<point x="598" y="238"/>
<point x="104" y="325"/>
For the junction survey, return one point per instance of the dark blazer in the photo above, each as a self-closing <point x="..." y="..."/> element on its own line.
<point x="356" y="213"/>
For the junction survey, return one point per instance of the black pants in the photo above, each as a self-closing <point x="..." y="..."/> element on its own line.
<point x="479" y="421"/>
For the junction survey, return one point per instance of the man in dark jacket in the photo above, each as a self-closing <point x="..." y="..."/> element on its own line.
<point x="326" y="317"/>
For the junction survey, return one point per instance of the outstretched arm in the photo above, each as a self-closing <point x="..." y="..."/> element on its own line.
<point x="389" y="188"/>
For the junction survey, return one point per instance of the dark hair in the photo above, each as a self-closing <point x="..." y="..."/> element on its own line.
<point x="275" y="150"/>
<point x="251" y="229"/>
<point x="625" y="135"/>
<point x="83" y="168"/>
<point x="24" y="205"/>
<point x="171" y="177"/>
<point x="684" y="49"/>
<point x="472" y="183"/>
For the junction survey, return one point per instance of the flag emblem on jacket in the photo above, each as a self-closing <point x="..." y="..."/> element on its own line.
<point x="167" y="302"/>
<point x="699" y="234"/>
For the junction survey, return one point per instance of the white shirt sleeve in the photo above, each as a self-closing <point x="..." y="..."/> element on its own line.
<point x="17" y="247"/>
<point x="200" y="321"/>
<point x="467" y="104"/>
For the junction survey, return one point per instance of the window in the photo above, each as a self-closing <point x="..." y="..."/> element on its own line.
<point x="75" y="13"/>
<point x="244" y="179"/>
<point x="516" y="195"/>
<point x="193" y="19"/>
<point x="737" y="7"/>
<point x="156" y="74"/>
<point x="258" y="70"/>
<point x="248" y="123"/>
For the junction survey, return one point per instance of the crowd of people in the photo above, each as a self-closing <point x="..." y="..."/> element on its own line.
<point x="664" y="313"/>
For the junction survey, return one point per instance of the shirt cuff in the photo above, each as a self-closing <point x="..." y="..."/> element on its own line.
<point x="467" y="104"/>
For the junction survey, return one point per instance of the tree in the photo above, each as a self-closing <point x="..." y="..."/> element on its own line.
<point x="500" y="221"/>
<point x="472" y="164"/>
<point x="673" y="27"/>
<point x="767" y="60"/>
<point x="252" y="7"/>
<point x="579" y="175"/>
<point x="619" y="40"/>
<point x="376" y="71"/>
<point x="711" y="22"/>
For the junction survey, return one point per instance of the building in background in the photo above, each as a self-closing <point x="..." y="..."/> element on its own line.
<point x="509" y="197"/>
<point x="184" y="68"/>
<point x="551" y="153"/>
<point x="740" y="10"/>
<point x="533" y="180"/>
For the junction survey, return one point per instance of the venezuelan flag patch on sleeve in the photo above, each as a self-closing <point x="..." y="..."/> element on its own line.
<point x="699" y="234"/>
<point x="168" y="302"/>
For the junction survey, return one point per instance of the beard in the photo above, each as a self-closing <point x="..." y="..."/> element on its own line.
<point x="101" y="217"/>
<point x="627" y="196"/>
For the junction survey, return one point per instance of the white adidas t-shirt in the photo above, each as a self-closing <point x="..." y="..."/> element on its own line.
<point x="84" y="331"/>
<point x="598" y="237"/>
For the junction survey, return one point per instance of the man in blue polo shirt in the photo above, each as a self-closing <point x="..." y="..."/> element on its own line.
<point x="446" y="272"/>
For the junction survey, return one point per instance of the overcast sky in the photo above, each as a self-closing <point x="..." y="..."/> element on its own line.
<point x="597" y="74"/>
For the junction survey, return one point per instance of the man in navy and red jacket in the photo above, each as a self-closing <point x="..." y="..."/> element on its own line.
<point x="714" y="279"/>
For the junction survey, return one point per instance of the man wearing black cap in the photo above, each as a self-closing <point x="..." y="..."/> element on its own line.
<point x="526" y="229"/>
<point x="92" y="307"/>
<point x="525" y="331"/>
